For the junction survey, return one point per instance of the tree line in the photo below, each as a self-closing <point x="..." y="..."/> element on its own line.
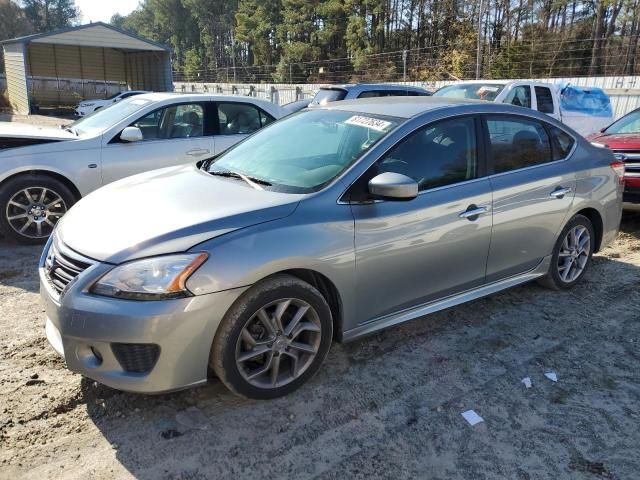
<point x="351" y="40"/>
<point x="294" y="39"/>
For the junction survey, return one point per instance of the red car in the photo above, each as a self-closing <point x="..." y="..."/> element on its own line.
<point x="623" y="137"/>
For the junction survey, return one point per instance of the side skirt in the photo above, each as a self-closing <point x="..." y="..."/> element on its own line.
<point x="392" y="319"/>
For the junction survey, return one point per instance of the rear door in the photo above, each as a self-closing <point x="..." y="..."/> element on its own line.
<point x="237" y="120"/>
<point x="172" y="135"/>
<point x="533" y="189"/>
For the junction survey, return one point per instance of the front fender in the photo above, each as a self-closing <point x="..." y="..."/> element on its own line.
<point x="313" y="238"/>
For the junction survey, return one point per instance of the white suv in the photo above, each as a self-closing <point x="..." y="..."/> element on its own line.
<point x="43" y="171"/>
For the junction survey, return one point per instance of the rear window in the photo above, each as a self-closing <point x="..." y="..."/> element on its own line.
<point x="327" y="95"/>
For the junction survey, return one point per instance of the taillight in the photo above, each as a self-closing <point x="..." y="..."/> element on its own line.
<point x="618" y="167"/>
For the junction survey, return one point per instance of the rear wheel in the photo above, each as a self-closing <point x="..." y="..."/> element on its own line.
<point x="273" y="339"/>
<point x="30" y="207"/>
<point x="571" y="255"/>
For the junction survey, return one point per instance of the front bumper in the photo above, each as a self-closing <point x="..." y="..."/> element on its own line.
<point x="83" y="328"/>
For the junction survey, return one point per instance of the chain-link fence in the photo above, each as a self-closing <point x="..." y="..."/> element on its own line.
<point x="535" y="58"/>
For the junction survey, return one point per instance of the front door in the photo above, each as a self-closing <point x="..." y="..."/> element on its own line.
<point x="413" y="252"/>
<point x="172" y="135"/>
<point x="533" y="190"/>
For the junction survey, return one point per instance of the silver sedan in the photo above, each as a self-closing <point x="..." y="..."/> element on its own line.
<point x="328" y="225"/>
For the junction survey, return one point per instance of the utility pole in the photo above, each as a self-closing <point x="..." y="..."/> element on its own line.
<point x="233" y="55"/>
<point x="404" y="65"/>
<point x="479" y="50"/>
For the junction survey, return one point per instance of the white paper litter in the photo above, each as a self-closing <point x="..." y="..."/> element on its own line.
<point x="472" y="417"/>
<point x="551" y="376"/>
<point x="527" y="382"/>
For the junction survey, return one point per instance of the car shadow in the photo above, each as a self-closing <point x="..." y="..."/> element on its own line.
<point x="372" y="393"/>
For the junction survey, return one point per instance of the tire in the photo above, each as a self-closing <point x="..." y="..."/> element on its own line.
<point x="234" y="358"/>
<point x="558" y="277"/>
<point x="16" y="209"/>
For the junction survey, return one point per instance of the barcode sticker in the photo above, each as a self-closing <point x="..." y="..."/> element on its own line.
<point x="373" y="123"/>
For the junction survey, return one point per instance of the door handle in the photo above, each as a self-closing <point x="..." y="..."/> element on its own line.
<point x="560" y="192"/>
<point x="198" y="152"/>
<point x="473" y="212"/>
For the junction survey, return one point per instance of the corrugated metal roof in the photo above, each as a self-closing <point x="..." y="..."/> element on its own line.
<point x="97" y="34"/>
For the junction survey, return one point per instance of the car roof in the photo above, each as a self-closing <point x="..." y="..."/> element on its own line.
<point x="196" y="97"/>
<point x="372" y="86"/>
<point x="401" y="107"/>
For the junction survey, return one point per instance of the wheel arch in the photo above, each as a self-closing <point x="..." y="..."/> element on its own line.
<point x="595" y="218"/>
<point x="61" y="178"/>
<point x="327" y="289"/>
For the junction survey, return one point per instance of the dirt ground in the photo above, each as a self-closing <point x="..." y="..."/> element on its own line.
<point x="388" y="406"/>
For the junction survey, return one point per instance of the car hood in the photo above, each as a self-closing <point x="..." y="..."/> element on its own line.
<point x="165" y="211"/>
<point x="614" y="141"/>
<point x="23" y="130"/>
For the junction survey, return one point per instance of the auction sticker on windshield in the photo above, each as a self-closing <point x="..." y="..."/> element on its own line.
<point x="373" y="123"/>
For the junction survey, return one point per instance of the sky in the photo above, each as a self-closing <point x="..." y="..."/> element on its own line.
<point x="102" y="10"/>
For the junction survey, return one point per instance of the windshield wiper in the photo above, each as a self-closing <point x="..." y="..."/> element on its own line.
<point x="69" y="129"/>
<point x="254" y="182"/>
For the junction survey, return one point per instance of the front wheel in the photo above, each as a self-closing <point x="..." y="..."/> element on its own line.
<point x="273" y="339"/>
<point x="571" y="255"/>
<point x="30" y="207"/>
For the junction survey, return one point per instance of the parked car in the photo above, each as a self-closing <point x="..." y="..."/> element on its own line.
<point x="89" y="106"/>
<point x="623" y="137"/>
<point x="43" y="171"/>
<point x="585" y="109"/>
<point x="336" y="93"/>
<point x="329" y="224"/>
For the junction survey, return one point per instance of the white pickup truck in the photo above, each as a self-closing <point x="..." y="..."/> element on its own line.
<point x="585" y="109"/>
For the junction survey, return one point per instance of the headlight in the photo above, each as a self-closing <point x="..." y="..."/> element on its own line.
<point x="154" y="278"/>
<point x="87" y="104"/>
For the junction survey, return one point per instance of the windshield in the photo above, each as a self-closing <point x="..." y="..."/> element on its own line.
<point x="105" y="118"/>
<point x="304" y="152"/>
<point x="477" y="91"/>
<point x="113" y="96"/>
<point x="326" y="95"/>
<point x="627" y="124"/>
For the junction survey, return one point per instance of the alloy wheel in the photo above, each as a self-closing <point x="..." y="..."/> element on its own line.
<point x="34" y="211"/>
<point x="278" y="343"/>
<point x="574" y="253"/>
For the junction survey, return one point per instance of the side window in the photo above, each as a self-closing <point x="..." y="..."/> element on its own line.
<point x="544" y="100"/>
<point x="265" y="118"/>
<point x="517" y="143"/>
<point x="150" y="125"/>
<point x="439" y="154"/>
<point x="240" y="118"/>
<point x="519" y="96"/>
<point x="372" y="94"/>
<point x="178" y="121"/>
<point x="562" y="143"/>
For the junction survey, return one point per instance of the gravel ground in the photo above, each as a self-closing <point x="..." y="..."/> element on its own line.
<point x="384" y="407"/>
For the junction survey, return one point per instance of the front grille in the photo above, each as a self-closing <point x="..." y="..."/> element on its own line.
<point x="136" y="357"/>
<point x="631" y="162"/>
<point x="62" y="267"/>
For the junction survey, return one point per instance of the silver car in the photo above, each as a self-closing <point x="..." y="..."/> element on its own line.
<point x="327" y="225"/>
<point x="44" y="171"/>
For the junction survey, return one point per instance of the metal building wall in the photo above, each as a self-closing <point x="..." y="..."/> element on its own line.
<point x="15" y="70"/>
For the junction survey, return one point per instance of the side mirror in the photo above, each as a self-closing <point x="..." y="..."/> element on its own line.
<point x="131" y="134"/>
<point x="393" y="186"/>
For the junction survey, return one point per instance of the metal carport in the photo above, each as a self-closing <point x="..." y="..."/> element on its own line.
<point x="83" y="62"/>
